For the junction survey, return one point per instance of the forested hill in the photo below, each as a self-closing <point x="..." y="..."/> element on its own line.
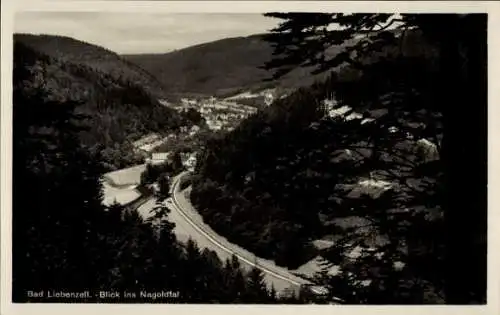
<point x="220" y="67"/>
<point x="119" y="98"/>
<point x="295" y="172"/>
<point x="73" y="51"/>
<point x="66" y="240"/>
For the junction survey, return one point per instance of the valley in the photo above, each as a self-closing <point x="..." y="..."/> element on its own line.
<point x="308" y="164"/>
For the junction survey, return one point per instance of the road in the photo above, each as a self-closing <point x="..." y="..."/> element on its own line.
<point x="189" y="224"/>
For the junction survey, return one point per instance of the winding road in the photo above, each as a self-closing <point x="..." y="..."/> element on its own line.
<point x="279" y="277"/>
<point x="189" y="225"/>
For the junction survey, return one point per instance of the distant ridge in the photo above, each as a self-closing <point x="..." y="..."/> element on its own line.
<point x="225" y="66"/>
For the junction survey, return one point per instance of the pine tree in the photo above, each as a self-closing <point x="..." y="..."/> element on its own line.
<point x="54" y="227"/>
<point x="234" y="281"/>
<point x="273" y="294"/>
<point x="177" y="162"/>
<point x="164" y="186"/>
<point x="256" y="287"/>
<point x="192" y="285"/>
<point x="212" y="274"/>
<point x="396" y="79"/>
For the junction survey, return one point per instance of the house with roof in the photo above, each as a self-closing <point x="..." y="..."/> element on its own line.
<point x="194" y="130"/>
<point x="190" y="162"/>
<point x="159" y="158"/>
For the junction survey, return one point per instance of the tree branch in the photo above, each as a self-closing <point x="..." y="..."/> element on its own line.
<point x="389" y="24"/>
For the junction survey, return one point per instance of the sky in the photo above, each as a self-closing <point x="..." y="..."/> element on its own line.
<point x="130" y="33"/>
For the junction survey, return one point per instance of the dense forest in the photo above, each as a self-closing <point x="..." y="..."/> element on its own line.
<point x="73" y="51"/>
<point x="292" y="174"/>
<point x="119" y="98"/>
<point x="64" y="239"/>
<point x="288" y="158"/>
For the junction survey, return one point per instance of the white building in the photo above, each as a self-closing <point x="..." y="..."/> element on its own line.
<point x="158" y="158"/>
<point x="164" y="102"/>
<point x="185" y="101"/>
<point x="194" y="130"/>
<point x="268" y="98"/>
<point x="190" y="162"/>
<point x="335" y="112"/>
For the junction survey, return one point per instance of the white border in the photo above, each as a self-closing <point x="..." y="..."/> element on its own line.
<point x="256" y="6"/>
<point x="7" y="13"/>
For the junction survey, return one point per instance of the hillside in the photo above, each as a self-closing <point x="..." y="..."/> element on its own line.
<point x="328" y="164"/>
<point x="73" y="51"/>
<point x="221" y="67"/>
<point x="118" y="97"/>
<point x="67" y="238"/>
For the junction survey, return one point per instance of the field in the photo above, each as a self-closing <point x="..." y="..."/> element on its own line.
<point x="120" y="186"/>
<point x="125" y="177"/>
<point x="119" y="195"/>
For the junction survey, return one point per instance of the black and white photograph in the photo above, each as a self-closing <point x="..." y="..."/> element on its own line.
<point x="280" y="157"/>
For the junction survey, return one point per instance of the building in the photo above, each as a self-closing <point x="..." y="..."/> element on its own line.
<point x="190" y="162"/>
<point x="321" y="244"/>
<point x="289" y="292"/>
<point x="159" y="158"/>
<point x="194" y="130"/>
<point x="164" y="102"/>
<point x="268" y="98"/>
<point x="185" y="101"/>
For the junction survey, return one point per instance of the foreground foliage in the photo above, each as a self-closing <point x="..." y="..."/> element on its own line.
<point x="64" y="239"/>
<point x="292" y="174"/>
